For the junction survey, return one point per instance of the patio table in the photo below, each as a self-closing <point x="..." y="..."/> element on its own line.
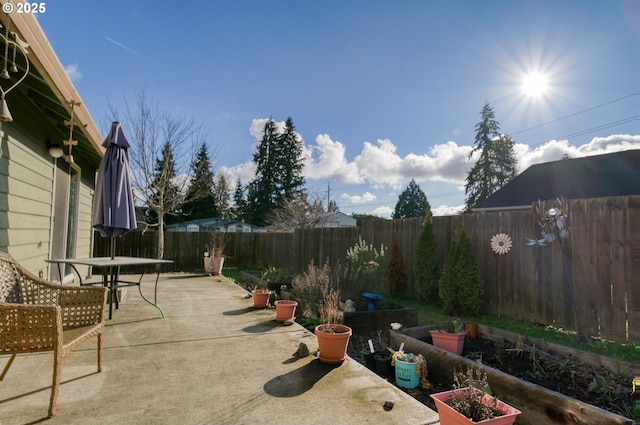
<point x="111" y="274"/>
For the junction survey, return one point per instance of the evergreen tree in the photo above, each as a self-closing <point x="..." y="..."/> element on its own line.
<point x="426" y="266"/>
<point x="200" y="192"/>
<point x="497" y="163"/>
<point x="396" y="272"/>
<point x="290" y="162"/>
<point x="461" y="285"/>
<point x="240" y="201"/>
<point x="278" y="178"/>
<point x="221" y="198"/>
<point x="412" y="202"/>
<point x="166" y="196"/>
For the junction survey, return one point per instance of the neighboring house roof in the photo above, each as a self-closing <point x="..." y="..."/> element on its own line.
<point x="207" y="224"/>
<point x="598" y="176"/>
<point x="335" y="219"/>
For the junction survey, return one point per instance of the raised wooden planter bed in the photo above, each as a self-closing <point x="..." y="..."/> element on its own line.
<point x="369" y="321"/>
<point x="359" y="321"/>
<point x="537" y="404"/>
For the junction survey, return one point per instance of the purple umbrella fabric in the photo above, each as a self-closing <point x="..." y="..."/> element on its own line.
<point x="113" y="209"/>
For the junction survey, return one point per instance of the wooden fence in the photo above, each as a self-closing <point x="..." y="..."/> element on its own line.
<point x="591" y="282"/>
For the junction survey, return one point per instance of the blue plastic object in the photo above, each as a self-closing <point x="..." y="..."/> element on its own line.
<point x="372" y="298"/>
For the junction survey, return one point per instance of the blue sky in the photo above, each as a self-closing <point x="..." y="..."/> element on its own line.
<point x="380" y="91"/>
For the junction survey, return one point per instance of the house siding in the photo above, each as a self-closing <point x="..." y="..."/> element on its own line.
<point x="27" y="212"/>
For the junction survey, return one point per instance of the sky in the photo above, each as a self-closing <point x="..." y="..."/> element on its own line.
<point x="380" y="91"/>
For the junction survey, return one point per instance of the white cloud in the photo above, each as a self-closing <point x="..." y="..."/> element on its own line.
<point x="384" y="211"/>
<point x="73" y="72"/>
<point x="379" y="166"/>
<point x="246" y="171"/>
<point x="366" y="197"/>
<point x="328" y="160"/>
<point x="447" y="210"/>
<point x="555" y="150"/>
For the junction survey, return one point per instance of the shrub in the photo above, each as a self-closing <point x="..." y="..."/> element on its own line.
<point x="461" y="286"/>
<point x="365" y="271"/>
<point x="426" y="266"/>
<point x="308" y="289"/>
<point x="397" y="274"/>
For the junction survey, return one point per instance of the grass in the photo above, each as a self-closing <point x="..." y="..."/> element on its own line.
<point x="431" y="314"/>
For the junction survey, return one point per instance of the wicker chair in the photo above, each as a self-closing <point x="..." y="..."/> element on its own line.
<point x="37" y="315"/>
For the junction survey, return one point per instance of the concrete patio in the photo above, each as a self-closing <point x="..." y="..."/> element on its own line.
<point x="213" y="359"/>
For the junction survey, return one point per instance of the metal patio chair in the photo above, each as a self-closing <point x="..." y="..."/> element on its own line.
<point x="37" y="315"/>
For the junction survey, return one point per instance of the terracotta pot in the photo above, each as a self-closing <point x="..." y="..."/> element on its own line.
<point x="471" y="329"/>
<point x="285" y="310"/>
<point x="261" y="298"/>
<point x="453" y="342"/>
<point x="449" y="416"/>
<point x="213" y="265"/>
<point x="333" y="345"/>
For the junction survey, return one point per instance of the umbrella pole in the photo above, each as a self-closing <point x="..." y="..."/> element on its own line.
<point x="112" y="248"/>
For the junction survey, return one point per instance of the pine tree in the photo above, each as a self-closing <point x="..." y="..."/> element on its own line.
<point x="412" y="202"/>
<point x="426" y="266"/>
<point x="497" y="163"/>
<point x="200" y="192"/>
<point x="278" y="178"/>
<point x="239" y="201"/>
<point x="262" y="190"/>
<point x="290" y="161"/>
<point x="221" y="197"/>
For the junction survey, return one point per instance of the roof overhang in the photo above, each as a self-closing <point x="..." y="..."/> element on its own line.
<point x="50" y="89"/>
<point x="497" y="209"/>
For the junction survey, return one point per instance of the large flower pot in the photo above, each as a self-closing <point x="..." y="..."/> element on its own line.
<point x="261" y="298"/>
<point x="453" y="342"/>
<point x="285" y="310"/>
<point x="449" y="416"/>
<point x="213" y="265"/>
<point x="332" y="342"/>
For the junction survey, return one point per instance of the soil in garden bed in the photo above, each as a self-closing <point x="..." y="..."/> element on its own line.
<point x="575" y="379"/>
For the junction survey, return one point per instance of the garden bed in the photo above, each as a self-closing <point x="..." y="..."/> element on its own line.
<point x="368" y="321"/>
<point x="589" y="374"/>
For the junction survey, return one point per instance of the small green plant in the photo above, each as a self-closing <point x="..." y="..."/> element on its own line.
<point x="426" y="266"/>
<point x="397" y="274"/>
<point x="275" y="274"/>
<point x="461" y="285"/>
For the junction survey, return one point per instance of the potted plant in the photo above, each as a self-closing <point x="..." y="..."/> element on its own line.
<point x="333" y="338"/>
<point x="214" y="255"/>
<point x="410" y="369"/>
<point x="285" y="310"/>
<point x="470" y="403"/>
<point x="261" y="297"/>
<point x="278" y="279"/>
<point x="450" y="341"/>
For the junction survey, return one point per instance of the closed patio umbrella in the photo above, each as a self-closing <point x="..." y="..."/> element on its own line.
<point x="113" y="209"/>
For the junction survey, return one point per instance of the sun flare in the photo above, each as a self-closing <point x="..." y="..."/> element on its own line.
<point x="535" y="84"/>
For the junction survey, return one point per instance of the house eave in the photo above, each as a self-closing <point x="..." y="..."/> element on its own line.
<point x="44" y="59"/>
<point x="507" y="208"/>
